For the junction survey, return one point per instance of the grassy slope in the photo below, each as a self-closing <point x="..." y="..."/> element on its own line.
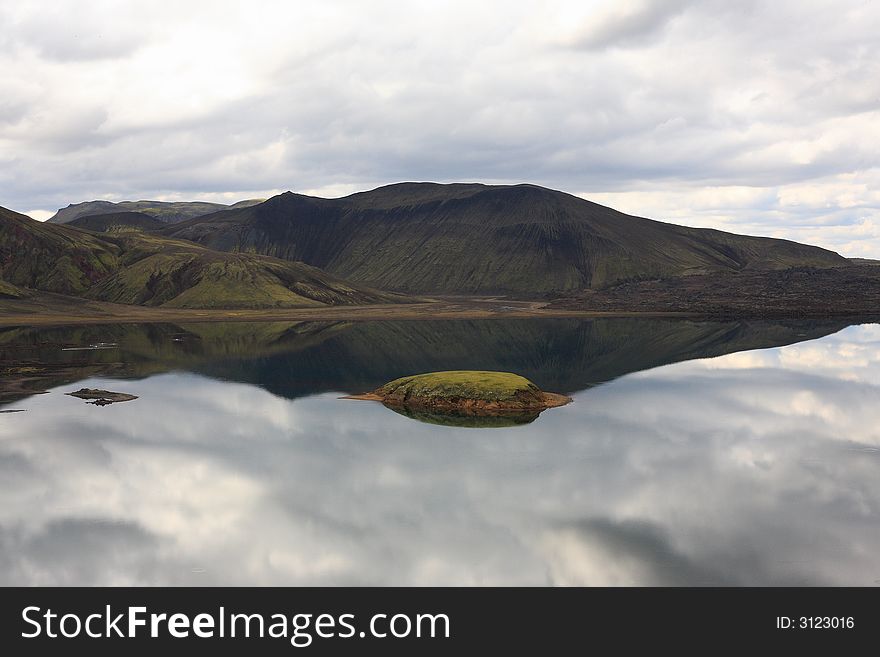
<point x="162" y="272"/>
<point x="10" y="291"/>
<point x="145" y="269"/>
<point x="166" y="212"/>
<point x="463" y="238"/>
<point x="52" y="258"/>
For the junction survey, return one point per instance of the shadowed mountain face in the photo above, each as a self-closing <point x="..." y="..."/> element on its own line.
<point x="117" y="222"/>
<point x="304" y="358"/>
<point x="475" y="239"/>
<point x="133" y="267"/>
<point x="160" y="210"/>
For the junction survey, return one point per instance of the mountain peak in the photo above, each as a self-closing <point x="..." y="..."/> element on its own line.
<point x="164" y="211"/>
<point x="472" y="238"/>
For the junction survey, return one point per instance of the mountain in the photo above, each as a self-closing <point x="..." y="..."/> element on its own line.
<point x="145" y="269"/>
<point x="117" y="222"/>
<point x="166" y="212"/>
<point x="484" y="239"/>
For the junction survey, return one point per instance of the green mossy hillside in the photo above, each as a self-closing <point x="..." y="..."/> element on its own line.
<point x="193" y="279"/>
<point x="158" y="271"/>
<point x="52" y="258"/>
<point x="10" y="291"/>
<point x="134" y="267"/>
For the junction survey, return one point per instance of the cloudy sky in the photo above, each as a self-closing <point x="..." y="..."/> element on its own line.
<point x="748" y="116"/>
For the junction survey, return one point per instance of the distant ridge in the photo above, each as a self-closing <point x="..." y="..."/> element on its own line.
<point x="115" y="222"/>
<point x="463" y="238"/>
<point x="166" y="212"/>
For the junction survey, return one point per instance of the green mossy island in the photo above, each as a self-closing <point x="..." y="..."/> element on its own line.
<point x="468" y="392"/>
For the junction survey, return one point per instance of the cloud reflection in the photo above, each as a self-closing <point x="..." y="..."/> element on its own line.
<point x="752" y="468"/>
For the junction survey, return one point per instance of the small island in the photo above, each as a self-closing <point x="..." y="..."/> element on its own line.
<point x="101" y="397"/>
<point x="465" y="393"/>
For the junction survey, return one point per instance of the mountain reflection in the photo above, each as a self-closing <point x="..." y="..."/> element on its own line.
<point x="296" y="359"/>
<point x="758" y="467"/>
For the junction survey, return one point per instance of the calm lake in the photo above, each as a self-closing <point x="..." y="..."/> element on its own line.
<point x="694" y="453"/>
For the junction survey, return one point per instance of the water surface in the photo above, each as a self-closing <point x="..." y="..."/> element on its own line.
<point x="694" y="453"/>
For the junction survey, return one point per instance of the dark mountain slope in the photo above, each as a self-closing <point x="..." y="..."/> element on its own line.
<point x="117" y="222"/>
<point x="166" y="212"/>
<point x="144" y="269"/>
<point x="472" y="238"/>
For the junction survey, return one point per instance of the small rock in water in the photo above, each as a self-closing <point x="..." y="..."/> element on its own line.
<point x="101" y="397"/>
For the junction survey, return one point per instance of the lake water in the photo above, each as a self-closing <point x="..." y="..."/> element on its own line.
<point x="694" y="453"/>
